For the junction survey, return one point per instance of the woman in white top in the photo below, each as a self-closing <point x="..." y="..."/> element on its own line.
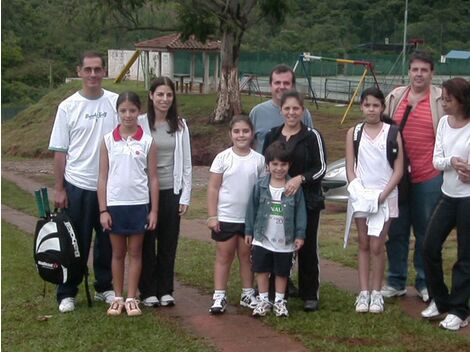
<point x="373" y="171"/>
<point x="451" y="155"/>
<point x="171" y="135"/>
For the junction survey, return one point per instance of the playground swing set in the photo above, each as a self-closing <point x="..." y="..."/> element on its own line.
<point x="368" y="67"/>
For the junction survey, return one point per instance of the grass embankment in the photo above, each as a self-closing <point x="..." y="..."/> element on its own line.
<point x="27" y="135"/>
<point x="336" y="327"/>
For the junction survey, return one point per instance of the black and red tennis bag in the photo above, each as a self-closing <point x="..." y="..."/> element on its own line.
<point x="56" y="252"/>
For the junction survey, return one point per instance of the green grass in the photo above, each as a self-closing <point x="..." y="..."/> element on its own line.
<point x="198" y="207"/>
<point x="17" y="198"/>
<point x="336" y="326"/>
<point x="26" y="327"/>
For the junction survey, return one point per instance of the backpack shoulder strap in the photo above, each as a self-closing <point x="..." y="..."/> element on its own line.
<point x="392" y="145"/>
<point x="357" y="134"/>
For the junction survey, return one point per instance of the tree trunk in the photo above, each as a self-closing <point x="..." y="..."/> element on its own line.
<point x="229" y="102"/>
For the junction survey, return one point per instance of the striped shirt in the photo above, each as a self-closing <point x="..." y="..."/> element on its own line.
<point x="419" y="139"/>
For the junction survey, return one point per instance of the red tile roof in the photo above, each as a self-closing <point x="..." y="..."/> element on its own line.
<point x="172" y="42"/>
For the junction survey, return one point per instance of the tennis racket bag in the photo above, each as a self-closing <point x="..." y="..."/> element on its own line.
<point x="56" y="252"/>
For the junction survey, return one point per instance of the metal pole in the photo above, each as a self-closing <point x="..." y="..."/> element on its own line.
<point x="403" y="62"/>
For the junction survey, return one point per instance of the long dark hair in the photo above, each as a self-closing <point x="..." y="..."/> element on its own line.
<point x="379" y="95"/>
<point x="174" y="122"/>
<point x="128" y="96"/>
<point x="459" y="88"/>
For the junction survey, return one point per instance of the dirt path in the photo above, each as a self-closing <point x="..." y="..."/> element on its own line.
<point x="191" y="309"/>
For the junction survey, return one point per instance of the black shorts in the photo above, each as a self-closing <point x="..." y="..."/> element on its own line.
<point x="227" y="231"/>
<point x="128" y="219"/>
<point x="266" y="261"/>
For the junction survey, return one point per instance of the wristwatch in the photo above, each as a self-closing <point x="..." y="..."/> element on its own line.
<point x="302" y="177"/>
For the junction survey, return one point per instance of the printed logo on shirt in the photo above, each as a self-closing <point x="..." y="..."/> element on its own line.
<point x="276" y="208"/>
<point x="96" y="115"/>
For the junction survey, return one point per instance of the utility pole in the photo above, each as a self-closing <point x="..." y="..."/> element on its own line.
<point x="403" y="62"/>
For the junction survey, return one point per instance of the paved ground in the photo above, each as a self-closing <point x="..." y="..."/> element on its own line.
<point x="191" y="310"/>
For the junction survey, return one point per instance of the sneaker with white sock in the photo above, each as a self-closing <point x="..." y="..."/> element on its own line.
<point x="218" y="305"/>
<point x="280" y="308"/>
<point x="362" y="302"/>
<point x="105" y="296"/>
<point x="431" y="311"/>
<point x="376" y="302"/>
<point x="453" y="323"/>
<point x="262" y="308"/>
<point x="67" y="304"/>
<point x="248" y="301"/>
<point x="151" y="301"/>
<point x="167" y="301"/>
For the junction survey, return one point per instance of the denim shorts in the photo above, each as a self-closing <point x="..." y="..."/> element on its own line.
<point x="128" y="219"/>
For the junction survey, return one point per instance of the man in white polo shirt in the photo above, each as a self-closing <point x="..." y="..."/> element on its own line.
<point x="80" y="124"/>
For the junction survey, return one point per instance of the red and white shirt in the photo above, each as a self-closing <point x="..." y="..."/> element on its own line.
<point x="127" y="174"/>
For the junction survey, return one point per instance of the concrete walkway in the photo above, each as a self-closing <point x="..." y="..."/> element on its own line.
<point x="192" y="308"/>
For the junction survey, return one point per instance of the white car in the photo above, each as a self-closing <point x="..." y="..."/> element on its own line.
<point x="335" y="182"/>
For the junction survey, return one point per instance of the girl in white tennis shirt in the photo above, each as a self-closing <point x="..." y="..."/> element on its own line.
<point x="128" y="159"/>
<point x="373" y="171"/>
<point x="232" y="176"/>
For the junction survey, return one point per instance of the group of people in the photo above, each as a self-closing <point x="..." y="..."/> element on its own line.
<point x="434" y="146"/>
<point x="264" y="193"/>
<point x="109" y="180"/>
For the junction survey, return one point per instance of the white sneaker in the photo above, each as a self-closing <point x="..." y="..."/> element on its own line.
<point x="67" y="305"/>
<point x="219" y="305"/>
<point x="262" y="308"/>
<point x="431" y="311"/>
<point x="453" y="323"/>
<point x="167" y="301"/>
<point x="105" y="296"/>
<point x="248" y="301"/>
<point x="424" y="294"/>
<point x="151" y="301"/>
<point x="376" y="302"/>
<point x="362" y="302"/>
<point x="389" y="291"/>
<point x="280" y="308"/>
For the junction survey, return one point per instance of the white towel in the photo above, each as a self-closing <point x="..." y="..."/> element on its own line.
<point x="366" y="201"/>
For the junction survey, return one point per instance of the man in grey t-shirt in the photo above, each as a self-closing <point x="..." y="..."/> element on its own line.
<point x="268" y="114"/>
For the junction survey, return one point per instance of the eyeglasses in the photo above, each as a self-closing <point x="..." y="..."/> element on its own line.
<point x="90" y="70"/>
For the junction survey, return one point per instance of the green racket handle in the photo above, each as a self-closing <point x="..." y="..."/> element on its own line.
<point x="45" y="201"/>
<point x="42" y="213"/>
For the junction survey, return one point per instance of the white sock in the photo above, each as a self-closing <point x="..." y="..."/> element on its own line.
<point x="264" y="296"/>
<point x="248" y="291"/>
<point x="279" y="297"/>
<point x="218" y="294"/>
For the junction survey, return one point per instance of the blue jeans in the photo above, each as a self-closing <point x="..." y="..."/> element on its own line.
<point x="83" y="209"/>
<point x="450" y="213"/>
<point x="416" y="213"/>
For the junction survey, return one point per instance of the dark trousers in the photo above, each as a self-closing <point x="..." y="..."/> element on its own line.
<point x="449" y="213"/>
<point x="84" y="211"/>
<point x="308" y="259"/>
<point x="158" y="259"/>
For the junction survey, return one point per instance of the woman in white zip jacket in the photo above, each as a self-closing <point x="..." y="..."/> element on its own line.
<point x="171" y="135"/>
